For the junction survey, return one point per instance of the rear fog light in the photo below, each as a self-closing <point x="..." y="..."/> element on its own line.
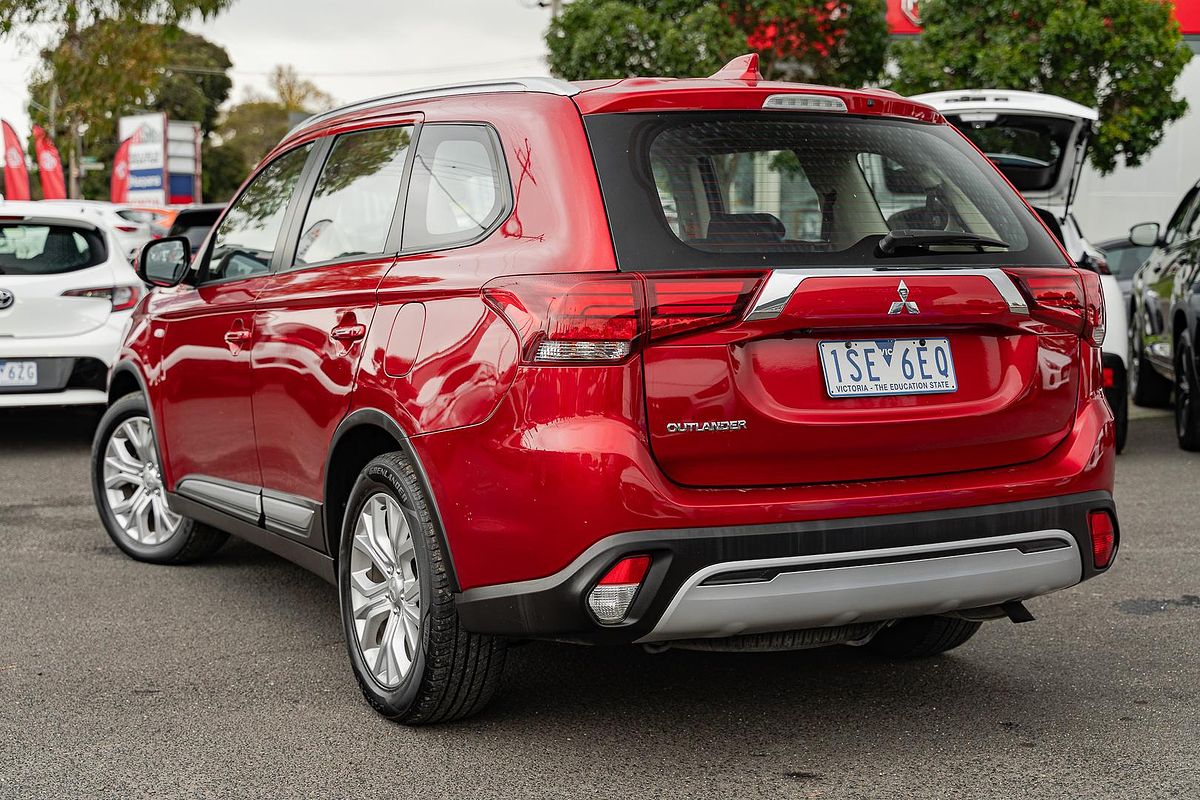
<point x="612" y="596"/>
<point x="1104" y="538"/>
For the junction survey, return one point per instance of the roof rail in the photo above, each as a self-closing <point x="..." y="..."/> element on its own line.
<point x="543" y="85"/>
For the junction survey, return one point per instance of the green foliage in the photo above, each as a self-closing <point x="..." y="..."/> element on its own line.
<point x="841" y="41"/>
<point x="1121" y="56"/>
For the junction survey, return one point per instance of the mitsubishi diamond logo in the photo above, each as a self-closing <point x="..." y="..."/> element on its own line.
<point x="6" y="299"/>
<point x="903" y="305"/>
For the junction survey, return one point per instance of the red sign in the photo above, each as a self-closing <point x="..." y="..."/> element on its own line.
<point x="16" y="178"/>
<point x="904" y="16"/>
<point x="119" y="186"/>
<point x="54" y="185"/>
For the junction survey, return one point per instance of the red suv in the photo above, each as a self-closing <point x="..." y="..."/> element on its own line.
<point x="718" y="363"/>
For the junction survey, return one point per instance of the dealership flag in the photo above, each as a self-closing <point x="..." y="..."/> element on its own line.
<point x="120" y="173"/>
<point x="54" y="185"/>
<point x="16" y="178"/>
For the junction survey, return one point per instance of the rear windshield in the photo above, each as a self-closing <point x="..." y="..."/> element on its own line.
<point x="753" y="189"/>
<point x="32" y="249"/>
<point x="1028" y="149"/>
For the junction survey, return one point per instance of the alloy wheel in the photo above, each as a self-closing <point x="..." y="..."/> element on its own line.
<point x="133" y="484"/>
<point x="385" y="590"/>
<point x="1185" y="391"/>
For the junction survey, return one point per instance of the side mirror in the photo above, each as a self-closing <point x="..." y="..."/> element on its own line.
<point x="1145" y="234"/>
<point x="164" y="262"/>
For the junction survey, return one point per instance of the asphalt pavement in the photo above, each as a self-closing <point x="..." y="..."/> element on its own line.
<point x="230" y="679"/>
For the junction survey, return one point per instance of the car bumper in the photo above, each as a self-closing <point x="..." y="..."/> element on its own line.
<point x="719" y="582"/>
<point x="72" y="369"/>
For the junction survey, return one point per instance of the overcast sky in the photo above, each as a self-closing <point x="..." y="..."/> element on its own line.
<point x="350" y="48"/>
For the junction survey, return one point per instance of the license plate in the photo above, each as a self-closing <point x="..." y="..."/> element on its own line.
<point x="18" y="373"/>
<point x="877" y="367"/>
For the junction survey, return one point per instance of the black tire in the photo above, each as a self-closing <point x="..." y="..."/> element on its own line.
<point x="193" y="541"/>
<point x="1118" y="400"/>
<point x="1187" y="394"/>
<point x="1147" y="388"/>
<point x="921" y="637"/>
<point x="454" y="673"/>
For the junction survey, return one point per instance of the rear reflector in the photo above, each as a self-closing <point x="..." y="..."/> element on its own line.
<point x="596" y="318"/>
<point x="613" y="594"/>
<point x="1109" y="378"/>
<point x="1104" y="538"/>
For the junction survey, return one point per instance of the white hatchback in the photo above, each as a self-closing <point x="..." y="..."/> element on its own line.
<point x="67" y="292"/>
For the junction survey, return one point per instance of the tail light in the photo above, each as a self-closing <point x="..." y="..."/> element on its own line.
<point x="605" y="317"/>
<point x="122" y="298"/>
<point x="613" y="594"/>
<point x="1072" y="300"/>
<point x="1104" y="538"/>
<point x="126" y="228"/>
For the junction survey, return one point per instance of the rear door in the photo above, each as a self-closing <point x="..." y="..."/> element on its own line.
<point x="907" y="314"/>
<point x="311" y="318"/>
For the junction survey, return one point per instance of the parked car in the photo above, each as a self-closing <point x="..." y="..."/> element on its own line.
<point x="638" y="361"/>
<point x="1040" y="141"/>
<point x="66" y="296"/>
<point x="192" y="223"/>
<point x="1164" y="314"/>
<point x="127" y="224"/>
<point x="1124" y="257"/>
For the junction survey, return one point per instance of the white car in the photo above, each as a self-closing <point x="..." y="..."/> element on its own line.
<point x="1039" y="142"/>
<point x="127" y="223"/>
<point x="66" y="295"/>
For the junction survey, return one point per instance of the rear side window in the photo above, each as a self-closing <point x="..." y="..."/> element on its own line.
<point x="459" y="187"/>
<point x="764" y="189"/>
<point x="355" y="199"/>
<point x="245" y="242"/>
<point x="48" y="249"/>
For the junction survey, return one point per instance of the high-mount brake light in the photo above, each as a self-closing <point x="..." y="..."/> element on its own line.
<point x="122" y="298"/>
<point x="1073" y="300"/>
<point x="613" y="594"/>
<point x="805" y="102"/>
<point x="598" y="318"/>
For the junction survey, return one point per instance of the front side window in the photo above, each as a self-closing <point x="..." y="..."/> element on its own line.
<point x="459" y="187"/>
<point x="1181" y="216"/>
<point x="246" y="240"/>
<point x="48" y="249"/>
<point x="355" y="198"/>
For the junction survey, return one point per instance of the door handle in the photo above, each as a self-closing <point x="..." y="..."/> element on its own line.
<point x="237" y="336"/>
<point x="348" y="333"/>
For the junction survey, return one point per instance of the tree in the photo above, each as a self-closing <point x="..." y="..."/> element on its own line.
<point x="249" y="129"/>
<point x="1121" y="56"/>
<point x="192" y="86"/>
<point x="85" y="77"/>
<point x="839" y="41"/>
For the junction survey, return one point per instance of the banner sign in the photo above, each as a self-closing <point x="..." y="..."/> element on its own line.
<point x="904" y="16"/>
<point x="16" y="177"/>
<point x="147" y="158"/>
<point x="50" y="171"/>
<point x="119" y="185"/>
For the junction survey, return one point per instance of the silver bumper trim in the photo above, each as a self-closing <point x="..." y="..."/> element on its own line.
<point x="815" y="592"/>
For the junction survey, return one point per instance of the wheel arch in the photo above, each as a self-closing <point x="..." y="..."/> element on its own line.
<point x="125" y="378"/>
<point x="363" y="435"/>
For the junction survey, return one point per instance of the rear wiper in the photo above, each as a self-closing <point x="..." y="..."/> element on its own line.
<point x="924" y="238"/>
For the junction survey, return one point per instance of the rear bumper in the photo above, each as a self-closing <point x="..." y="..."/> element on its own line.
<point x="716" y="582"/>
<point x="72" y="370"/>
